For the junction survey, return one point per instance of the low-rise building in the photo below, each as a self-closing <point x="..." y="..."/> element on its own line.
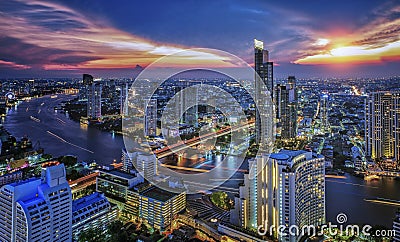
<point x="155" y="205"/>
<point x="92" y="211"/>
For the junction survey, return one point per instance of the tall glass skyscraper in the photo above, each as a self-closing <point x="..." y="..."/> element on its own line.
<point x="264" y="74"/>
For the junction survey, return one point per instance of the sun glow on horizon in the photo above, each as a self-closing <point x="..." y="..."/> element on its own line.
<point x="354" y="55"/>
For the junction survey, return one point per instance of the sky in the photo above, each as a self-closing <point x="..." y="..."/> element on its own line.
<point x="313" y="38"/>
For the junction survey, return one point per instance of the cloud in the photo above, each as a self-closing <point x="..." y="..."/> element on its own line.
<point x="13" y="65"/>
<point x="53" y="36"/>
<point x="377" y="40"/>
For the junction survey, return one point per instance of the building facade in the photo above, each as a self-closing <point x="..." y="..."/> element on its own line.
<point x="286" y="106"/>
<point x="263" y="74"/>
<point x="382" y="125"/>
<point x="156" y="206"/>
<point x="284" y="189"/>
<point x="296" y="191"/>
<point x="150" y="119"/>
<point x="94" y="91"/>
<point x="37" y="209"/>
<point x="115" y="185"/>
<point x="92" y="212"/>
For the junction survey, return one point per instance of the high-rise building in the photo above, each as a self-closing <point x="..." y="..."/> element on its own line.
<point x="295" y="191"/>
<point x="286" y="106"/>
<point x="87" y="81"/>
<point x="94" y="100"/>
<point x="124" y="91"/>
<point x="324" y="112"/>
<point x="186" y="102"/>
<point x="264" y="70"/>
<point x="245" y="212"/>
<point x="147" y="165"/>
<point x="150" y="124"/>
<point x="283" y="189"/>
<point x="262" y="65"/>
<point x="382" y="125"/>
<point x="37" y="209"/>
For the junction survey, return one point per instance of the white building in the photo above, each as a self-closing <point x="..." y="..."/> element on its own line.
<point x="284" y="189"/>
<point x="94" y="91"/>
<point x="37" y="209"/>
<point x="147" y="165"/>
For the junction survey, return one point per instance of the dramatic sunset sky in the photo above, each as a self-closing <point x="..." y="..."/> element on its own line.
<point x="312" y="38"/>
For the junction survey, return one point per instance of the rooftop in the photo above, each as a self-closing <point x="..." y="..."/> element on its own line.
<point x="119" y="174"/>
<point x="158" y="194"/>
<point x="87" y="200"/>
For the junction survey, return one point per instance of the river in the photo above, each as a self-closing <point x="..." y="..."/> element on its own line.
<point x="59" y="135"/>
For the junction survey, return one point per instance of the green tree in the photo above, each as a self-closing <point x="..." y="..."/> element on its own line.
<point x="91" y="235"/>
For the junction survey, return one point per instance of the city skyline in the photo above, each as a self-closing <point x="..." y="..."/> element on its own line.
<point x="58" y="39"/>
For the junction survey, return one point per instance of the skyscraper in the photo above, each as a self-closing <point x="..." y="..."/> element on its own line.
<point x="263" y="66"/>
<point x="295" y="191"/>
<point x="324" y="112"/>
<point x="37" y="209"/>
<point x="264" y="69"/>
<point x="150" y="124"/>
<point x="286" y="106"/>
<point x="382" y="125"/>
<point x="283" y="189"/>
<point x="87" y="81"/>
<point x="94" y="100"/>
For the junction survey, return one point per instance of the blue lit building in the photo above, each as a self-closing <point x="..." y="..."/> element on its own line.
<point x="37" y="209"/>
<point x="92" y="211"/>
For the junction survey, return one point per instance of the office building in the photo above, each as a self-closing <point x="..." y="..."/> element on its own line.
<point x="382" y="126"/>
<point x="115" y="185"/>
<point x="324" y="112"/>
<point x="286" y="106"/>
<point x="92" y="212"/>
<point x="150" y="119"/>
<point x="127" y="160"/>
<point x="37" y="209"/>
<point x="87" y="81"/>
<point x="264" y="74"/>
<point x="124" y="92"/>
<point x="94" y="91"/>
<point x="157" y="206"/>
<point x="245" y="212"/>
<point x="147" y="165"/>
<point x="262" y="65"/>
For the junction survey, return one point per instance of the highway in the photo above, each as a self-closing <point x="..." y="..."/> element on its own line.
<point x="172" y="149"/>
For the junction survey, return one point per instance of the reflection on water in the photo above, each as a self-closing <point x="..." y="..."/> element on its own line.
<point x="352" y="196"/>
<point x="59" y="135"/>
<point x="349" y="195"/>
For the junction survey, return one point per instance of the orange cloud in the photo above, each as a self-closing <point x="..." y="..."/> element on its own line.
<point x="377" y="41"/>
<point x="87" y="43"/>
